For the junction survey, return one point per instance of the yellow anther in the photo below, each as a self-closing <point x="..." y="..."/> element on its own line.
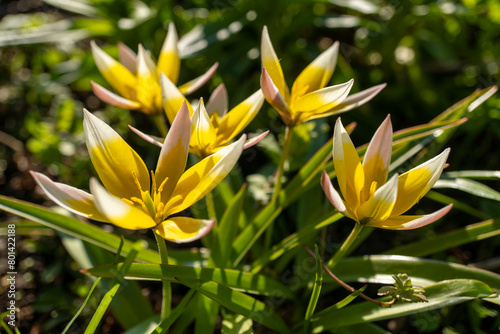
<point x="136" y="180"/>
<point x="129" y="202"/>
<point x="160" y="189"/>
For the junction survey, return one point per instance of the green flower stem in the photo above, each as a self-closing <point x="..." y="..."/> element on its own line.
<point x="211" y="206"/>
<point x="166" y="301"/>
<point x="345" y="246"/>
<point x="160" y="124"/>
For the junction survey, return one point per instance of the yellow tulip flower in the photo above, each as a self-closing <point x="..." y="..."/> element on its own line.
<point x="368" y="197"/>
<point x="136" y="78"/>
<point x="309" y="98"/>
<point x="132" y="198"/>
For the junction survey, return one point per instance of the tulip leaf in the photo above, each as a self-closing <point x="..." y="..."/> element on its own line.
<point x="432" y="245"/>
<point x="247" y="282"/>
<point x="236" y="324"/>
<point x="238" y="302"/>
<point x="474" y="174"/>
<point x="165" y="324"/>
<point x="469" y="186"/>
<point x="441" y="294"/>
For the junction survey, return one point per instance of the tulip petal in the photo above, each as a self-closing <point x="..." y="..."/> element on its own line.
<point x="333" y="196"/>
<point x="274" y="97"/>
<point x="200" y="179"/>
<point x="350" y="174"/>
<point x="379" y="206"/>
<point x="239" y="117"/>
<point x="217" y="104"/>
<point x="184" y="229"/>
<point x="113" y="99"/>
<point x="117" y="211"/>
<point x="378" y="155"/>
<point x="117" y="75"/>
<point x="147" y="83"/>
<point x="114" y="160"/>
<point x="195" y="84"/>
<point x="174" y="153"/>
<point x="169" y="62"/>
<point x="127" y="57"/>
<point x="150" y="139"/>
<point x="172" y="99"/>
<point x="317" y="74"/>
<point x="414" y="184"/>
<point x="355" y="100"/>
<point x="411" y="222"/>
<point x="70" y="198"/>
<point x="253" y="141"/>
<point x="322" y="100"/>
<point x="203" y="135"/>
<point x="271" y="62"/>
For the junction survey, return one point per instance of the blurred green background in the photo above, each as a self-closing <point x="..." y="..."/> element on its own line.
<point x="430" y="53"/>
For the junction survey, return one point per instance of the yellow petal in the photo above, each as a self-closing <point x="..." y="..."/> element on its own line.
<point x="317" y="74"/>
<point x="117" y="211"/>
<point x="322" y="100"/>
<point x="117" y="75"/>
<point x="378" y="155"/>
<point x="114" y="160"/>
<point x="355" y="100"/>
<point x="239" y="117"/>
<point x="379" y="206"/>
<point x="200" y="179"/>
<point x="172" y="99"/>
<point x="414" y="184"/>
<point x="274" y="97"/>
<point x="195" y="84"/>
<point x="411" y="222"/>
<point x="271" y="62"/>
<point x="70" y="198"/>
<point x="148" y="87"/>
<point x="174" y="153"/>
<point x="113" y="99"/>
<point x="183" y="229"/>
<point x="169" y="62"/>
<point x="203" y="135"/>
<point x="350" y="174"/>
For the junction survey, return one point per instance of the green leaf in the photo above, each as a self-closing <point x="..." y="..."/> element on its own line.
<point x="469" y="186"/>
<point x="145" y="326"/>
<point x="251" y="283"/>
<point x="440" y="295"/>
<point x="461" y="236"/>
<point x="238" y="302"/>
<point x="341" y="304"/>
<point x="206" y="315"/>
<point x="474" y="174"/>
<point x="316" y="290"/>
<point x="176" y="313"/>
<point x="236" y="324"/>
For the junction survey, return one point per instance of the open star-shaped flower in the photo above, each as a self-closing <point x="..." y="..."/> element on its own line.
<point x="368" y="197"/>
<point x="132" y="197"/>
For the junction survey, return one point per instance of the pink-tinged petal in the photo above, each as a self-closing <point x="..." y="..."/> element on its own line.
<point x="411" y="222"/>
<point x="350" y="174"/>
<point x="200" y="179"/>
<point x="378" y="155"/>
<point x="114" y="160"/>
<point x="203" y="135"/>
<point x="317" y="74"/>
<point x="117" y="211"/>
<point x="322" y="100"/>
<point x="113" y="99"/>
<point x="148" y="87"/>
<point x="174" y="154"/>
<point x="414" y="184"/>
<point x="379" y="206"/>
<point x="117" y="75"/>
<point x="127" y="57"/>
<point x="172" y="99"/>
<point x="254" y="140"/>
<point x="239" y="117"/>
<point x="333" y="196"/>
<point x="217" y="104"/>
<point x="169" y="62"/>
<point x="271" y="62"/>
<point x="356" y="100"/>
<point x="70" y="198"/>
<point x="273" y="96"/>
<point x="195" y="84"/>
<point x="150" y="139"/>
<point x="184" y="229"/>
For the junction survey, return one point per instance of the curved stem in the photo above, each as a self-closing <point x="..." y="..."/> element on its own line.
<point x="281" y="166"/>
<point x="211" y="206"/>
<point x="339" y="255"/>
<point x="166" y="301"/>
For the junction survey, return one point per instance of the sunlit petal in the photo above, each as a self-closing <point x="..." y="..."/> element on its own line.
<point x="113" y="99"/>
<point x="117" y="211"/>
<point x="114" y="160"/>
<point x="172" y="99"/>
<point x="379" y="206"/>
<point x="253" y="141"/>
<point x="147" y="83"/>
<point x="273" y="96"/>
<point x="323" y="99"/>
<point x="271" y="62"/>
<point x="203" y="134"/>
<point x="195" y="84"/>
<point x="70" y="198"/>
<point x="414" y="184"/>
<point x="117" y="75"/>
<point x="318" y="73"/>
<point x="332" y="195"/>
<point x="127" y="57"/>
<point x="169" y="62"/>
<point x="355" y="100"/>
<point x="378" y="155"/>
<point x="218" y="103"/>
<point x="183" y="229"/>
<point x="350" y="174"/>
<point x="150" y="139"/>
<point x="411" y="222"/>
<point x="174" y="153"/>
<point x="200" y="179"/>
